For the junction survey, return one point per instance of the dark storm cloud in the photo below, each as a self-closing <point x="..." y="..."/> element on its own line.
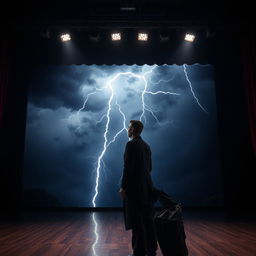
<point x="136" y="115"/>
<point x="171" y="81"/>
<point x="96" y="103"/>
<point x="136" y="69"/>
<point x="62" y="148"/>
<point x="129" y="90"/>
<point x="59" y="175"/>
<point x="166" y="100"/>
<point x="85" y="128"/>
<point x="129" y="96"/>
<point x="107" y="69"/>
<point x="54" y="87"/>
<point x="79" y="133"/>
<point x="164" y="71"/>
<point x="33" y="114"/>
<point x="131" y="80"/>
<point x="200" y="72"/>
<point x="56" y="139"/>
<point x="59" y="164"/>
<point x="80" y="146"/>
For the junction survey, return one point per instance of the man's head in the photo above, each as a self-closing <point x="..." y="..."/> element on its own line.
<point x="135" y="128"/>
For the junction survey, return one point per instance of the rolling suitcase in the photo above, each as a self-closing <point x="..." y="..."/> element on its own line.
<point x="169" y="227"/>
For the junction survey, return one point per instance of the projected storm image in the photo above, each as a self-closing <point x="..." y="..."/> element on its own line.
<point x="76" y="132"/>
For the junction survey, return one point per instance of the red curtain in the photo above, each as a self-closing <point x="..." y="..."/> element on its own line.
<point x="249" y="69"/>
<point x="5" y="59"/>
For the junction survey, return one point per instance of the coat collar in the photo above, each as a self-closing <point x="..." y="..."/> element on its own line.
<point x="137" y="138"/>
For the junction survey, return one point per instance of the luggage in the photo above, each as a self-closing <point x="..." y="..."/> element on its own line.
<point x="169" y="226"/>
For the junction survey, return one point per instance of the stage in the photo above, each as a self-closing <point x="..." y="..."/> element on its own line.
<point x="102" y="233"/>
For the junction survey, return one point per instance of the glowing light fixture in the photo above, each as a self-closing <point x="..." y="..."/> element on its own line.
<point x="189" y="37"/>
<point x="65" y="37"/>
<point x="116" y="36"/>
<point x="142" y="36"/>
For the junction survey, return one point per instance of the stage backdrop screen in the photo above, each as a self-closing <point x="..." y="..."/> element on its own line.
<point x="76" y="132"/>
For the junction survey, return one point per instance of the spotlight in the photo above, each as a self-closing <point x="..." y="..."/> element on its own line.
<point x="189" y="37"/>
<point x="65" y="37"/>
<point x="142" y="36"/>
<point x="116" y="36"/>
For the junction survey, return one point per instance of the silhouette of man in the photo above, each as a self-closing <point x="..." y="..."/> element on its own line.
<point x="136" y="191"/>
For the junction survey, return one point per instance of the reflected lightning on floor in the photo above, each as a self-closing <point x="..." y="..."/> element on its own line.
<point x="96" y="234"/>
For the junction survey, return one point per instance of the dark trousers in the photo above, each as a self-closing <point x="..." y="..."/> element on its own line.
<point x="144" y="241"/>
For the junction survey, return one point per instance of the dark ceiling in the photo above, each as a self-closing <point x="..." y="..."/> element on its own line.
<point x="110" y="13"/>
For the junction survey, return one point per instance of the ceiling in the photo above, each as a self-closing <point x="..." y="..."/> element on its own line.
<point x="110" y="13"/>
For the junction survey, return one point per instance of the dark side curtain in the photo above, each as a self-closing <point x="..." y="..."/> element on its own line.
<point x="5" y="59"/>
<point x="248" y="48"/>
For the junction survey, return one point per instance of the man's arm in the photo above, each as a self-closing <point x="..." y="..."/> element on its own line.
<point x="127" y="165"/>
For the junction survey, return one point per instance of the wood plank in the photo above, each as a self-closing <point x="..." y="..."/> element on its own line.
<point x="73" y="234"/>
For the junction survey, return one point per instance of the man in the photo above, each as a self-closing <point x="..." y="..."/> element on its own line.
<point x="137" y="192"/>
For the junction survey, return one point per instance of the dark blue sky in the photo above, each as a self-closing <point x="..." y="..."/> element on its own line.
<point x="63" y="144"/>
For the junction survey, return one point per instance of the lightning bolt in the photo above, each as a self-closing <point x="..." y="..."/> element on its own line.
<point x="109" y="85"/>
<point x="145" y="108"/>
<point x="124" y="124"/>
<point x="83" y="107"/>
<point x="107" y="116"/>
<point x="192" y="91"/>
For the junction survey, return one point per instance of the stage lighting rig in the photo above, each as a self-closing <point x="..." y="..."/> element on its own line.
<point x="116" y="36"/>
<point x="65" y="37"/>
<point x="189" y="37"/>
<point x="143" y="36"/>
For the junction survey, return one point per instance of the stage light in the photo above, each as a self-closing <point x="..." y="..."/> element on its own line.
<point x="142" y="36"/>
<point x="116" y="36"/>
<point x="189" y="37"/>
<point x="65" y="37"/>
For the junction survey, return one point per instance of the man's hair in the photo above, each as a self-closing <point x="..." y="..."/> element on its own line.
<point x="137" y="126"/>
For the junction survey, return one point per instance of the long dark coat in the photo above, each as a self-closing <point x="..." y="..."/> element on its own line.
<point x="136" y="180"/>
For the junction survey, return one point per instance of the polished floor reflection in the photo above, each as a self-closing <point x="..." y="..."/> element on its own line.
<point x="84" y="233"/>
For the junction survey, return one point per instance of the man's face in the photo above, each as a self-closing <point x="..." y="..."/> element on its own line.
<point x="130" y="131"/>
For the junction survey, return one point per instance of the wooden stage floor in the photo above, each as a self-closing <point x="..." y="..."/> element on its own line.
<point x="85" y="233"/>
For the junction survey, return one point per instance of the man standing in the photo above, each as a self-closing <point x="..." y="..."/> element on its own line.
<point x="137" y="192"/>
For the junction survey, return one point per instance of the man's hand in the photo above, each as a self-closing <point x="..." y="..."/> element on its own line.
<point x="122" y="192"/>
